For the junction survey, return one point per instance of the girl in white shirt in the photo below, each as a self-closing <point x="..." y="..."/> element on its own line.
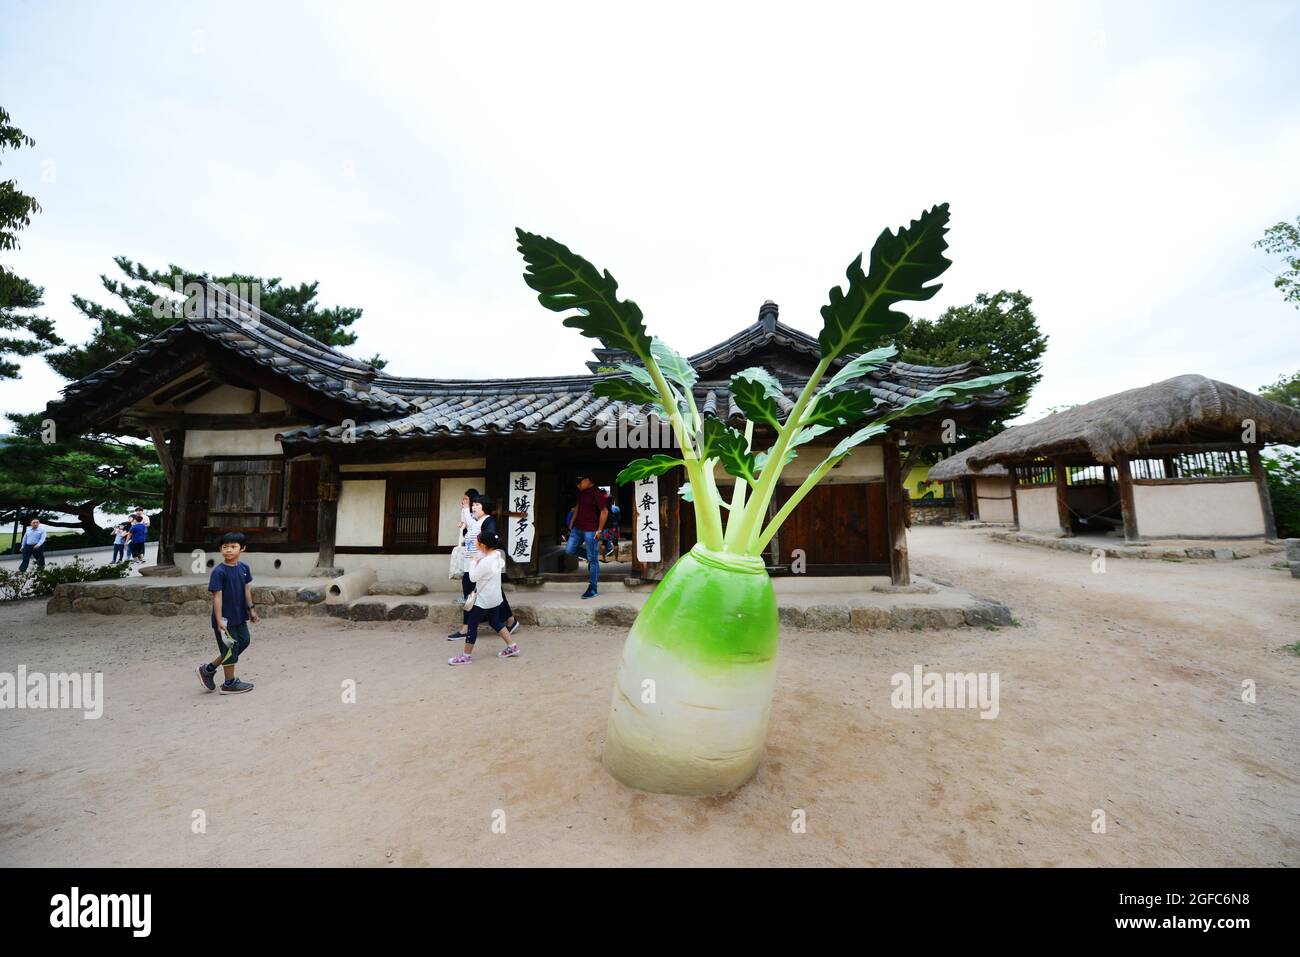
<point x="488" y="603"/>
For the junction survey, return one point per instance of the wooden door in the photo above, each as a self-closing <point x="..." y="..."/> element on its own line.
<point x="837" y="528"/>
<point x="302" y="502"/>
<point x="198" y="483"/>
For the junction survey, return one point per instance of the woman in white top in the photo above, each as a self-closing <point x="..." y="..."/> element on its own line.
<point x="469" y="529"/>
<point x="488" y="602"/>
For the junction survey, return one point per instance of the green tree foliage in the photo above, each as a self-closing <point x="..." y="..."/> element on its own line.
<point x="74" y="475"/>
<point x="1283" y="471"/>
<point x="1285" y="390"/>
<point x="118" y="330"/>
<point x="21" y="332"/>
<point x="1283" y="240"/>
<point x="999" y="331"/>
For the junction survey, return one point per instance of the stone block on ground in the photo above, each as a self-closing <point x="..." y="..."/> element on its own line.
<point x="1295" y="569"/>
<point x="195" y="606"/>
<point x="164" y="609"/>
<point x="868" y="618"/>
<point x="363" y="610"/>
<point x="916" y="617"/>
<point x="1292" y="549"/>
<point x="559" y="616"/>
<point x="1223" y="554"/>
<point x="1199" y="552"/>
<point x="397" y="588"/>
<point x="827" y="617"/>
<point x="408" y="611"/>
<point x="987" y="613"/>
<point x="58" y="606"/>
<point x="616" y="616"/>
<point x="310" y="595"/>
<point x="915" y="588"/>
<point x="792" y="616"/>
<point x="160" y="571"/>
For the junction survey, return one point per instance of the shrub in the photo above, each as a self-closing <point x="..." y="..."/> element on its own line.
<point x="1283" y="470"/>
<point x="34" y="584"/>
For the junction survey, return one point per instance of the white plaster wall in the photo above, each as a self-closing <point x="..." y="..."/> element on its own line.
<point x="235" y="442"/>
<point x="223" y="399"/>
<point x="272" y="402"/>
<point x="994" y="496"/>
<point x="262" y="564"/>
<point x="1038" y="509"/>
<point x="430" y="569"/>
<point x="1198" y="510"/>
<point x="449" y="497"/>
<point x="361" y="513"/>
<point x="419" y="465"/>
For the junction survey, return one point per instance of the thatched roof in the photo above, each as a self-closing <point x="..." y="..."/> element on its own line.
<point x="1184" y="410"/>
<point x="957" y="466"/>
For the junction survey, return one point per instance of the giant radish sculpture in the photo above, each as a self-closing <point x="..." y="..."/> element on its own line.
<point x="708" y="635"/>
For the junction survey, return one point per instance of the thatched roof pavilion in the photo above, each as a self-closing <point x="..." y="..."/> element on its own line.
<point x="1177" y="459"/>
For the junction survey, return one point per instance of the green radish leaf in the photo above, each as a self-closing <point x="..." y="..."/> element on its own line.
<point x="847" y="445"/>
<point x="936" y="397"/>
<point x="625" y="390"/>
<point x="858" y="367"/>
<point x="840" y="408"/>
<point x="675" y="368"/>
<point x="771" y="383"/>
<point x="640" y="468"/>
<point x="755" y="399"/>
<point x="732" y="450"/>
<point x="564" y="281"/>
<point x="639" y="373"/>
<point x="713" y="433"/>
<point x="858" y="317"/>
<point x="760" y="460"/>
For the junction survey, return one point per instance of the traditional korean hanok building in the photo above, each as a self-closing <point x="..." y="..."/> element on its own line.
<point x="981" y="494"/>
<point x="325" y="463"/>
<point x="1176" y="459"/>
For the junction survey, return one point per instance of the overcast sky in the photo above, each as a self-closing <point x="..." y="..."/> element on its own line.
<point x="1114" y="163"/>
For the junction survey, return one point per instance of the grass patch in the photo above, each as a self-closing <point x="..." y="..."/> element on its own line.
<point x="1293" y="648"/>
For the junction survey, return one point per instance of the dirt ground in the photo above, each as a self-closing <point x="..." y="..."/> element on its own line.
<point x="1120" y="692"/>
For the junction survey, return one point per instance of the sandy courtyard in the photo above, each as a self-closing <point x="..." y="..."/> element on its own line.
<point x="1120" y="692"/>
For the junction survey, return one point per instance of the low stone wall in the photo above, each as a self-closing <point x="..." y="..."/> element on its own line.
<point x="925" y="514"/>
<point x="167" y="601"/>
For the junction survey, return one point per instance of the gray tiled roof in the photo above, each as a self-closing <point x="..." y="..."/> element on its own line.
<point x="396" y="407"/>
<point x="565" y="403"/>
<point x="266" y="340"/>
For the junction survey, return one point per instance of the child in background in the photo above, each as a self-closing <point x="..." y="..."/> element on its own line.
<point x="488" y="602"/>
<point x="121" y="534"/>
<point x="139" y="532"/>
<point x="232" y="608"/>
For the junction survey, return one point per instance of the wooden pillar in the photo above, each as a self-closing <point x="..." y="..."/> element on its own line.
<point x="1127" y="508"/>
<point x="327" y="515"/>
<point x="1265" y="499"/>
<point x="896" y="510"/>
<point x="171" y="451"/>
<point x="1062" y="496"/>
<point x="1015" y="504"/>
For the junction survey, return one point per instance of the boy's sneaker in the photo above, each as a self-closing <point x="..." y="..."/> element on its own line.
<point x="461" y="659"/>
<point x="206" y="677"/>
<point x="514" y="627"/>
<point x="235" y="686"/>
<point x="589" y="593"/>
<point x="457" y="636"/>
<point x="508" y="652"/>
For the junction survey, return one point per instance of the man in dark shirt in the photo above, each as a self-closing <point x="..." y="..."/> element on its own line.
<point x="586" y="527"/>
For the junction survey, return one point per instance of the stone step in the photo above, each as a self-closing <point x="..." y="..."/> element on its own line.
<point x="896" y="614"/>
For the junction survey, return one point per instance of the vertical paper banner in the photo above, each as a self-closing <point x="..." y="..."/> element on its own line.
<point x="645" y="533"/>
<point x="519" y="542"/>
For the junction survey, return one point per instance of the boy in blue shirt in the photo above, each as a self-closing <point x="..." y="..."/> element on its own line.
<point x="232" y="609"/>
